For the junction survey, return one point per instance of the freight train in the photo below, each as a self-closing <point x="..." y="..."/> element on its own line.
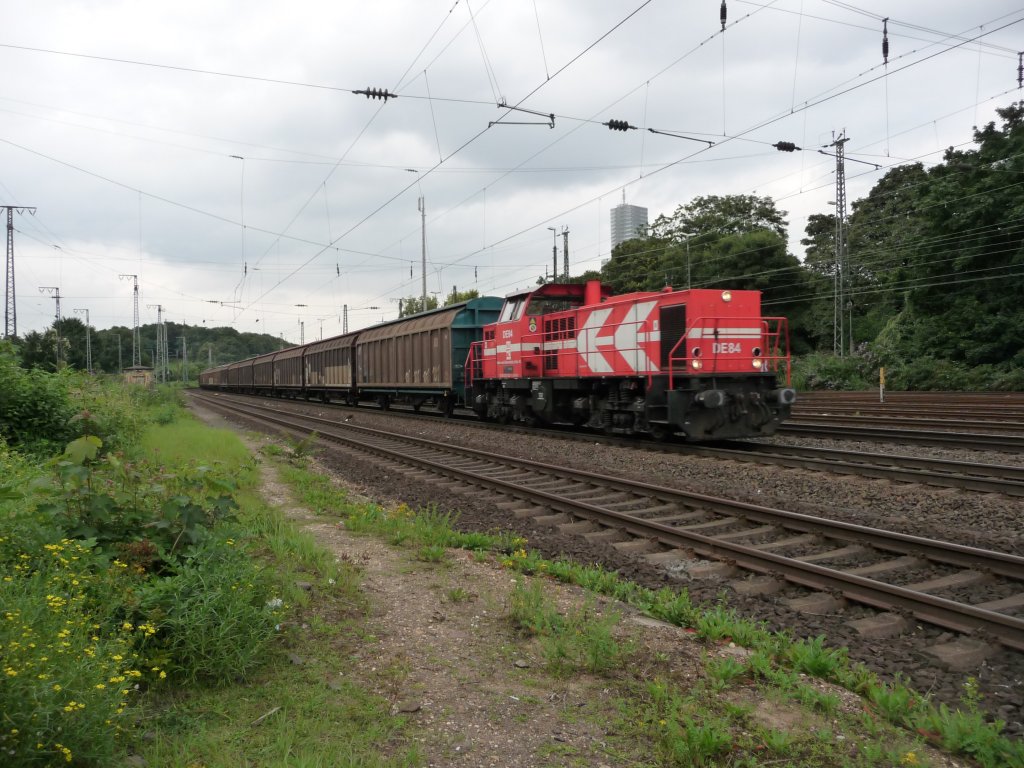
<point x="704" y="364"/>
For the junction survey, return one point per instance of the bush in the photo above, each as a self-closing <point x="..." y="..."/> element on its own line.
<point x="133" y="508"/>
<point x="35" y="409"/>
<point x="825" y="371"/>
<point x="67" y="661"/>
<point x="214" y="617"/>
<point x="110" y="411"/>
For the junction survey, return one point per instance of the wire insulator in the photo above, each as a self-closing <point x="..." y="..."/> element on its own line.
<point x="723" y="14"/>
<point x="885" y="40"/>
<point x="1020" y="69"/>
<point x="619" y="125"/>
<point x="377" y="93"/>
<point x="785" y="146"/>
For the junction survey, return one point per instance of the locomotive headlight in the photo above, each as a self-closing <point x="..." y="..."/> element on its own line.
<point x="695" y="364"/>
<point x="726" y="296"/>
<point x="757" y="363"/>
<point x="757" y="352"/>
<point x="695" y="352"/>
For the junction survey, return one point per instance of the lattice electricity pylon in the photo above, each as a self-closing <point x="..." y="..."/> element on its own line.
<point x="136" y="341"/>
<point x="10" y="307"/>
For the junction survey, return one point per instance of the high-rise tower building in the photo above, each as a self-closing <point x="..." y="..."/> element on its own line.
<point x="628" y="222"/>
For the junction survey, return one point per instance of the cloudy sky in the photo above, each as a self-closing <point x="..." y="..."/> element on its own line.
<point x="217" y="151"/>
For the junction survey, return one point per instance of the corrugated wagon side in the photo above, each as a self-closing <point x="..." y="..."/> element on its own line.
<point x="238" y="377"/>
<point x="328" y="368"/>
<point x="420" y="359"/>
<point x="288" y="372"/>
<point x="263" y="374"/>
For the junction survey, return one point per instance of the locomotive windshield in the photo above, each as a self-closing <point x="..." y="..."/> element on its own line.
<point x="512" y="310"/>
<point x="545" y="305"/>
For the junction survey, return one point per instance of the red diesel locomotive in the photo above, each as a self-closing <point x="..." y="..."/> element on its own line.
<point x="702" y="363"/>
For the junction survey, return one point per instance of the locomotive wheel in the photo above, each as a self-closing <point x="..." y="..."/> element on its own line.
<point x="660" y="433"/>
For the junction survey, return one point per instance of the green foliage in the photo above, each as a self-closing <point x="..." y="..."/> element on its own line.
<point x="814" y="658"/>
<point x="894" y="701"/>
<point x="934" y="261"/>
<point x="532" y="610"/>
<point x="679" y="737"/>
<point x="413" y="305"/>
<point x="214" y="615"/>
<point x="300" y="448"/>
<point x="716" y="624"/>
<point x="35" y="410"/>
<point x="582" y="640"/>
<point x="432" y="553"/>
<point x="130" y="509"/>
<point x="716" y="215"/>
<point x="69" y="665"/>
<point x="673" y="607"/>
<point x="724" y="671"/>
<point x="822" y="370"/>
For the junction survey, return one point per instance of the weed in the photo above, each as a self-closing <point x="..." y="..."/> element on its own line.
<point x="678" y="736"/>
<point x="214" y="617"/>
<point x="532" y="610"/>
<point x="716" y="624"/>
<point x="827" y="703"/>
<point x="581" y="640"/>
<point x="69" y="664"/>
<point x="778" y="742"/>
<point x="966" y="730"/>
<point x="724" y="671"/>
<point x="894" y="701"/>
<point x="300" y="448"/>
<point x="432" y="553"/>
<point x="673" y="607"/>
<point x="458" y="595"/>
<point x="811" y="656"/>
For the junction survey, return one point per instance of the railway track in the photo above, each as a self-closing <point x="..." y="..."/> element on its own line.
<point x="913" y="423"/>
<point x="977" y="414"/>
<point x="962" y="475"/>
<point x="829" y="430"/>
<point x="985" y="478"/>
<point x="960" y="588"/>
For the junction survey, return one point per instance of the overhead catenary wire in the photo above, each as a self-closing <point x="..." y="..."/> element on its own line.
<point x="694" y="159"/>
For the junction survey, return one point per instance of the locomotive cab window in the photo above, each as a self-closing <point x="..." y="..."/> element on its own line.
<point x="512" y="310"/>
<point x="545" y="305"/>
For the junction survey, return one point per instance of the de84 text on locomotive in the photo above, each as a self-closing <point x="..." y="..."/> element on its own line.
<point x="703" y="364"/>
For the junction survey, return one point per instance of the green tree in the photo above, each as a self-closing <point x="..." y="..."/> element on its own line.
<point x="714" y="216"/>
<point x="735" y="241"/>
<point x="413" y="305"/>
<point x="820" y="270"/>
<point x="635" y="265"/>
<point x="457" y="297"/>
<point x="967" y="273"/>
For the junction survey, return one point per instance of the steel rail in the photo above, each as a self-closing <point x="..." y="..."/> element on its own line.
<point x="973" y="440"/>
<point x="884" y="420"/>
<point x="882" y="411"/>
<point x="1007" y="629"/>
